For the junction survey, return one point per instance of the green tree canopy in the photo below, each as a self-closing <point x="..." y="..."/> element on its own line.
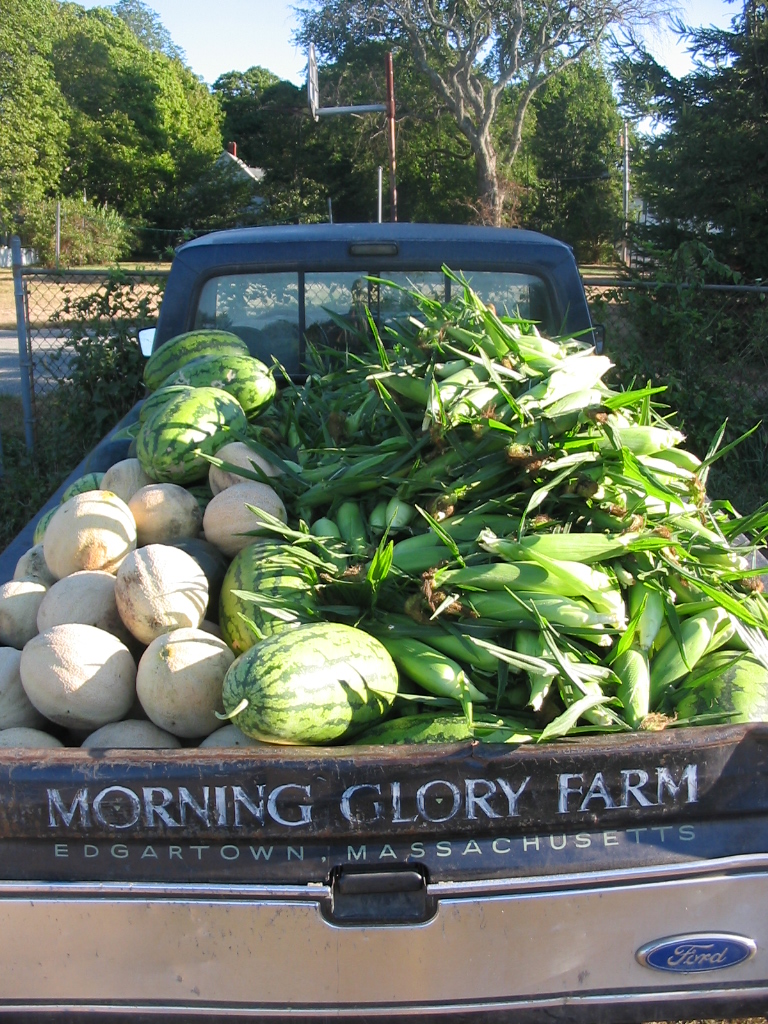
<point x="33" y="126"/>
<point x="570" y="163"/>
<point x="475" y="54"/>
<point x="704" y="170"/>
<point x="143" y="128"/>
<point x="147" y="28"/>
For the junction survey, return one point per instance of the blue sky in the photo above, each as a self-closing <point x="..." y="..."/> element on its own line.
<point x="232" y="35"/>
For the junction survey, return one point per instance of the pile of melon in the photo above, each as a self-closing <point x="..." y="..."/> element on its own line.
<point x="104" y="634"/>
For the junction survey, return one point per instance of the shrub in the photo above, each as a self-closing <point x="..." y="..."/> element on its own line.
<point x="90" y="234"/>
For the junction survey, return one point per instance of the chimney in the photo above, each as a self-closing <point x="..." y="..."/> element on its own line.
<point x="232" y="148"/>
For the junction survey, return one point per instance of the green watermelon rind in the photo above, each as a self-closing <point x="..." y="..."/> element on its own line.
<point x="172" y="443"/>
<point x="183" y="348"/>
<point x="249" y="571"/>
<point x="446" y="728"/>
<point x="243" y="376"/>
<point x="317" y="685"/>
<point x="727" y="685"/>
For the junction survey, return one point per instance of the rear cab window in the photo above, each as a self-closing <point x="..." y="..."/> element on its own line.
<point x="277" y="314"/>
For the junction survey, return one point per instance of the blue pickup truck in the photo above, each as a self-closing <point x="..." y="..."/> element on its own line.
<point x="620" y="877"/>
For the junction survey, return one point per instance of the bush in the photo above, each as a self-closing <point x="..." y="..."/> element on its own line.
<point x="106" y="367"/>
<point x="709" y="349"/>
<point x="90" y="234"/>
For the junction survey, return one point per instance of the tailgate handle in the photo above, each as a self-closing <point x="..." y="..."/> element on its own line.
<point x="380" y="897"/>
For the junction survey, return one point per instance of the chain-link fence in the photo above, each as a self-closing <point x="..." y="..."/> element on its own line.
<point x="64" y="312"/>
<point x="729" y="322"/>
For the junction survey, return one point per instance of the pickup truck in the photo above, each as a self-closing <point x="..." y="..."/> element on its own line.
<point x="621" y="877"/>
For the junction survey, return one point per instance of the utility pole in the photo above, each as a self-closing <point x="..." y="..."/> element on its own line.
<point x="391" y="139"/>
<point x="313" y="95"/>
<point x="626" y="193"/>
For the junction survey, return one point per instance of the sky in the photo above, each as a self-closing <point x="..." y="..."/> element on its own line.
<point x="233" y="35"/>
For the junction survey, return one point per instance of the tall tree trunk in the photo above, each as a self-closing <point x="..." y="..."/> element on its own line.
<point x="489" y="191"/>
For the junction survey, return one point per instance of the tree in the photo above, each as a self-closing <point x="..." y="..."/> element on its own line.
<point x="143" y="127"/>
<point x="571" y="163"/>
<point x="148" y="28"/>
<point x="33" y="128"/>
<point x="704" y="170"/>
<point x="475" y="53"/>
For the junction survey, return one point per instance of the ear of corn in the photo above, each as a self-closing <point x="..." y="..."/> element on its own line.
<point x="533" y="644"/>
<point x="433" y="671"/>
<point x="672" y="662"/>
<point x="634" y="690"/>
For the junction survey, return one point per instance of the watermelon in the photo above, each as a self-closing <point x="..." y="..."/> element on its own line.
<point x="87" y="482"/>
<point x="321" y="683"/>
<point x="246" y="378"/>
<point x="158" y="399"/>
<point x="170" y="441"/>
<point x="182" y="349"/>
<point x="727" y="686"/>
<point x="285" y="587"/>
<point x="41" y="525"/>
<point x="445" y="728"/>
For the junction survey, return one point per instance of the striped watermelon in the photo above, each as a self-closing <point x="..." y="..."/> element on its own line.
<point x="446" y="728"/>
<point x="169" y="441"/>
<point x="730" y="686"/>
<point x="158" y="399"/>
<point x="318" y="684"/>
<point x="182" y="349"/>
<point x="282" y="586"/>
<point x="246" y="378"/>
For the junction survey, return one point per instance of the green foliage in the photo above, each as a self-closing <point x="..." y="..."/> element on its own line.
<point x="709" y="348"/>
<point x="704" y="175"/>
<point x="147" y="28"/>
<point x="106" y="365"/>
<point x="29" y="480"/>
<point x="89" y="233"/>
<point x="570" y="165"/>
<point x="143" y="128"/>
<point x="33" y="128"/>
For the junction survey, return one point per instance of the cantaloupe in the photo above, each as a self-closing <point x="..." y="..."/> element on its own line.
<point x="159" y="588"/>
<point x="229" y="524"/>
<point x="16" y="709"/>
<point x="32" y="566"/>
<point x="125" y="478"/>
<point x="19" y="604"/>
<point x="230" y="736"/>
<point x="93" y="530"/>
<point x="78" y="676"/>
<point x="237" y="453"/>
<point x="87" y="596"/>
<point x="179" y="681"/>
<point x="30" y="738"/>
<point x="164" y="513"/>
<point x="130" y="734"/>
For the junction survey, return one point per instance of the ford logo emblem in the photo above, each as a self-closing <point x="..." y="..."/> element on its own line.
<point x="691" y="954"/>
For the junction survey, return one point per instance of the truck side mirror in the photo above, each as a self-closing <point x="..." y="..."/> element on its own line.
<point x="598" y="335"/>
<point x="147" y="340"/>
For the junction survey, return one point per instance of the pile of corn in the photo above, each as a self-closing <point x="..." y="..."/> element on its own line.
<point x="527" y="541"/>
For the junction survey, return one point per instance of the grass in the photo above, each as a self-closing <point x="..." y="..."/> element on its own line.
<point x="28" y="482"/>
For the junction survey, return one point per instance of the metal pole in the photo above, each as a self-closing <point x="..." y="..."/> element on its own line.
<point x="25" y="362"/>
<point x="626" y="192"/>
<point x="391" y="138"/>
<point x="58" y="231"/>
<point x="330" y="210"/>
<point x="381" y="187"/>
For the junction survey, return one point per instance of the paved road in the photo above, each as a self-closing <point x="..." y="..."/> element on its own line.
<point x="10" y="376"/>
<point x="50" y="362"/>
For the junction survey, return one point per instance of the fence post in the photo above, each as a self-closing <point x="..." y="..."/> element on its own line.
<point x="25" y="361"/>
